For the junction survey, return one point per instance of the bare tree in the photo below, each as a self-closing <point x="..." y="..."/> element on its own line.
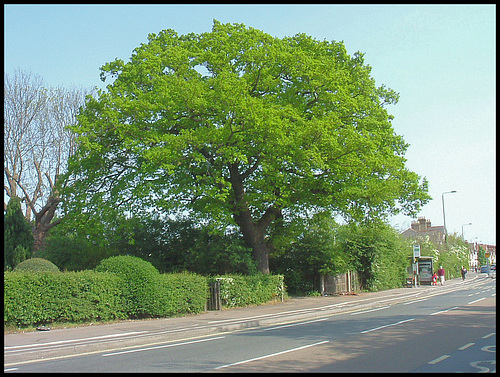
<point x="37" y="145"/>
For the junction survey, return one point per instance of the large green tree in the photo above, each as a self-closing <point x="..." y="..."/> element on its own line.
<point x="244" y="128"/>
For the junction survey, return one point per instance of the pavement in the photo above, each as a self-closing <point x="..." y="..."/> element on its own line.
<point x="22" y="347"/>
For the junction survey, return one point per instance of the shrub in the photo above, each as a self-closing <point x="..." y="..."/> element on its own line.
<point x="182" y="293"/>
<point x="32" y="299"/>
<point x="140" y="284"/>
<point x="36" y="265"/>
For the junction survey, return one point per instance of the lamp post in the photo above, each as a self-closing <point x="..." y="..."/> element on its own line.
<point x="463" y="239"/>
<point x="444" y="217"/>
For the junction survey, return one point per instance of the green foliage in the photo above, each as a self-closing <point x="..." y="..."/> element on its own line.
<point x="481" y="256"/>
<point x="238" y="290"/>
<point x="181" y="293"/>
<point x="18" y="235"/>
<point x="236" y="124"/>
<point x="31" y="299"/>
<point x="140" y="283"/>
<point x="36" y="265"/>
<point x="377" y="252"/>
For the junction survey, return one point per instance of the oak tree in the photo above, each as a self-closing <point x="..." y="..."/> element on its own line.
<point x="241" y="127"/>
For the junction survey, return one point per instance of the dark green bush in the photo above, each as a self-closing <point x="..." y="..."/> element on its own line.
<point x="36" y="265"/>
<point x="140" y="284"/>
<point x="32" y="299"/>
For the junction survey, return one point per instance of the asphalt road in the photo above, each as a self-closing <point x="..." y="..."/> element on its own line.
<point x="449" y="328"/>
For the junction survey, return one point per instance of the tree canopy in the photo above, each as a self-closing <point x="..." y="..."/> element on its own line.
<point x="243" y="128"/>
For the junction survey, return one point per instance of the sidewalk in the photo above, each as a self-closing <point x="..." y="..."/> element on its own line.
<point x="19" y="347"/>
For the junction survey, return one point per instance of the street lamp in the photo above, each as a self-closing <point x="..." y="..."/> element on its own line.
<point x="463" y="230"/>
<point x="444" y="217"/>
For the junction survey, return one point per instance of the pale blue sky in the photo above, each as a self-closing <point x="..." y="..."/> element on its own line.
<point x="440" y="58"/>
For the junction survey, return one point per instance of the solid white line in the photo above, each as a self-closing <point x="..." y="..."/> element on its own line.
<point x="164" y="346"/>
<point x="466" y="346"/>
<point x="441" y="358"/>
<point x="444" y="311"/>
<point x="392" y="324"/>
<point x="295" y="324"/>
<point x="10" y="369"/>
<point x="371" y="310"/>
<point x="412" y="302"/>
<point x="472" y="302"/>
<point x="75" y="340"/>
<point x="271" y="355"/>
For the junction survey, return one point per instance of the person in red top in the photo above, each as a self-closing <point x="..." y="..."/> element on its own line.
<point x="441" y="274"/>
<point x="434" y="279"/>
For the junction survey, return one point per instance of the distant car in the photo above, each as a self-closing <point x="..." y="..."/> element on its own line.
<point x="493" y="267"/>
<point x="484" y="269"/>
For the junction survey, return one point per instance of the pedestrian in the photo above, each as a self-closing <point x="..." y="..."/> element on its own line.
<point x="434" y="279"/>
<point x="464" y="271"/>
<point x="441" y="274"/>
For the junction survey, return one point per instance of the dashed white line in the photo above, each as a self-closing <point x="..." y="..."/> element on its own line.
<point x="464" y="347"/>
<point x="391" y="324"/>
<point x="441" y="358"/>
<point x="487" y="336"/>
<point x="271" y="355"/>
<point x="444" y="311"/>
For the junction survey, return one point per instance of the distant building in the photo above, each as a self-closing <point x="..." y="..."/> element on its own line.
<point x="474" y="250"/>
<point x="423" y="227"/>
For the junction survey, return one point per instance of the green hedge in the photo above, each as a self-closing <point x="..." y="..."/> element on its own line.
<point x="47" y="297"/>
<point x="181" y="293"/>
<point x="240" y="291"/>
<point x="123" y="288"/>
<point x="140" y="284"/>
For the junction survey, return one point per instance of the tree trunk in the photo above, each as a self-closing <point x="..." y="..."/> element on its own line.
<point x="254" y="232"/>
<point x="43" y="222"/>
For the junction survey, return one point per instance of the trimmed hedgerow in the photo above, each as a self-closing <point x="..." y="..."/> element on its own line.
<point x="181" y="293"/>
<point x="47" y="297"/>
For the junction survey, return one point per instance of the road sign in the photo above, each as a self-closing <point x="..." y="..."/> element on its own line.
<point x="487" y="254"/>
<point x="416" y="251"/>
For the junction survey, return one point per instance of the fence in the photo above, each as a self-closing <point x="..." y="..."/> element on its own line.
<point x="214" y="301"/>
<point x="341" y="284"/>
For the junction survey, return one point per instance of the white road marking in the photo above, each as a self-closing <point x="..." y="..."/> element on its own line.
<point x="295" y="324"/>
<point x="412" y="302"/>
<point x="444" y="311"/>
<point x="487" y="336"/>
<point x="371" y="310"/>
<point x="480" y="299"/>
<point x="466" y="346"/>
<point x="271" y="355"/>
<point x="441" y="358"/>
<point x="74" y="340"/>
<point x="392" y="324"/>
<point x="164" y="346"/>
